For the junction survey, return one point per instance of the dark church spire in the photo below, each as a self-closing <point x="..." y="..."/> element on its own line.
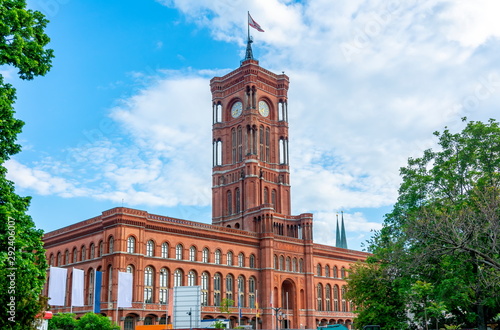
<point x="340" y="239"/>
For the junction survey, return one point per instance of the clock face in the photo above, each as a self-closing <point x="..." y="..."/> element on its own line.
<point x="236" y="109"/>
<point x="264" y="108"/>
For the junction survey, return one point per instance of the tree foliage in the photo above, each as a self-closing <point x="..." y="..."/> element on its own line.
<point x="444" y="229"/>
<point x="90" y="321"/>
<point x="22" y="258"/>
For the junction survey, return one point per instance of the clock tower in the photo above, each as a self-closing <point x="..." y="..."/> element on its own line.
<point x="250" y="146"/>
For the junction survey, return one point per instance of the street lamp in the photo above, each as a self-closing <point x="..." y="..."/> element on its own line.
<point x="276" y="311"/>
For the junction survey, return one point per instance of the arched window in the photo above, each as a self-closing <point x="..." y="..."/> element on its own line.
<point x="251" y="292"/>
<point x="59" y="259"/>
<point x="131" y="244"/>
<point x="283" y="150"/>
<point x="192" y="253"/>
<point x="252" y="261"/>
<point x="204" y="289"/>
<point x="218" y="254"/>
<point x="241" y="291"/>
<point x="229" y="202"/>
<point x="287" y="264"/>
<point x="282" y="263"/>
<point x="237" y="200"/>
<point x="217" y="289"/>
<point x="268" y="142"/>
<point x="344" y="304"/>
<point x="301" y="265"/>
<point x="342" y="273"/>
<point x="229" y="258"/>
<point x="229" y="286"/>
<point x="335" y="272"/>
<point x="205" y="255"/>
<point x="241" y="260"/>
<point x="336" y="298"/>
<point x="178" y="252"/>
<point x="273" y="199"/>
<point x="328" y="293"/>
<point x="318" y="270"/>
<point x="319" y="306"/>
<point x="191" y="278"/>
<point x="266" y="196"/>
<point x="262" y="154"/>
<point x="111" y="244"/>
<point x="150" y="248"/>
<point x="101" y="249"/>
<point x="148" y="285"/>
<point x="164" y="250"/>
<point x="163" y="285"/>
<point x="52" y="259"/>
<point x="66" y="257"/>
<point x="75" y="255"/>
<point x="294" y="265"/>
<point x="217" y="156"/>
<point x="327" y="271"/>
<point x="239" y="141"/>
<point x="84" y="253"/>
<point x="110" y="283"/>
<point x="92" y="251"/>
<point x="90" y="296"/>
<point x="276" y="266"/>
<point x="178" y="277"/>
<point x="233" y="145"/>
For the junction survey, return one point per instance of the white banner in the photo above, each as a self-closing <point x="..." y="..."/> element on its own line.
<point x="77" y="288"/>
<point x="124" y="289"/>
<point x="57" y="286"/>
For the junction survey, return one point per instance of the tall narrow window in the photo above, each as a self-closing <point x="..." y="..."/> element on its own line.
<point x="192" y="253"/>
<point x="336" y="298"/>
<point x="204" y="289"/>
<point x="237" y="200"/>
<point x="178" y="252"/>
<point x="205" y="255"/>
<point x="328" y="293"/>
<point x="335" y="272"/>
<point x="66" y="257"/>
<point x="229" y="258"/>
<point x="241" y="260"/>
<point x="84" y="253"/>
<point x="229" y="202"/>
<point x="342" y="273"/>
<point x="344" y="304"/>
<point x="75" y="255"/>
<point x="241" y="291"/>
<point x="234" y="145"/>
<point x="111" y="244"/>
<point x="164" y="250"/>
<point x="287" y="264"/>
<point x="262" y="143"/>
<point x="191" y="278"/>
<point x="252" y="261"/>
<point x="268" y="142"/>
<point x="131" y="244"/>
<point x="218" y="254"/>
<point x="148" y="285"/>
<point x="266" y="195"/>
<point x="319" y="306"/>
<point x="110" y="284"/>
<point x="217" y="289"/>
<point x="327" y="271"/>
<point x="282" y="263"/>
<point x="294" y="265"/>
<point x="101" y="249"/>
<point x="239" y="138"/>
<point x="229" y="286"/>
<point x="273" y="199"/>
<point x="251" y="292"/>
<point x="163" y="285"/>
<point x="150" y="245"/>
<point x="178" y="277"/>
<point x="318" y="270"/>
<point x="92" y="251"/>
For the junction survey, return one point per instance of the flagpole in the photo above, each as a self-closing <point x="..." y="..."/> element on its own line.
<point x="248" y="24"/>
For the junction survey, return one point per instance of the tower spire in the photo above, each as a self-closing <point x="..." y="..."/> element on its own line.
<point x="337" y="236"/>
<point x="248" y="53"/>
<point x="343" y="240"/>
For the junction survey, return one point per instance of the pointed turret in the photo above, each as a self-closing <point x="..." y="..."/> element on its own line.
<point x="343" y="240"/>
<point x="337" y="237"/>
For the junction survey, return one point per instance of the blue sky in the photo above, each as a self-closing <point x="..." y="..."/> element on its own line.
<point x="124" y="116"/>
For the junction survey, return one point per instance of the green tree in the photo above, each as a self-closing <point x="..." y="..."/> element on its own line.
<point x="91" y="321"/>
<point x="376" y="294"/>
<point x="63" y="321"/>
<point x="444" y="228"/>
<point x="22" y="258"/>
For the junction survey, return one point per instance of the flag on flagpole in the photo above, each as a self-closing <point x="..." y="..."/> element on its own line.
<point x="57" y="286"/>
<point x="254" y="24"/>
<point x="124" y="298"/>
<point x="97" y="292"/>
<point x="77" y="288"/>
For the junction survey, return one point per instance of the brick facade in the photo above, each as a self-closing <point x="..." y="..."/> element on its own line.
<point x="254" y="251"/>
